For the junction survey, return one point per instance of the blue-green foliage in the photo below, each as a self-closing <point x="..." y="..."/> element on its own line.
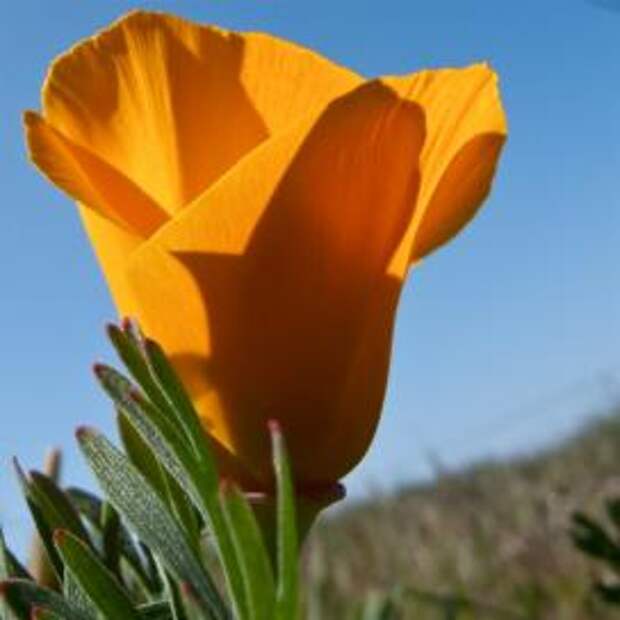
<point x="145" y="552"/>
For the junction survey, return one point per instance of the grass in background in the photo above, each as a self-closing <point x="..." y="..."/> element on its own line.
<point x="491" y="541"/>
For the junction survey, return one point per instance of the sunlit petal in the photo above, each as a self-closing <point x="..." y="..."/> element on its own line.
<point x="90" y="180"/>
<point x="174" y="104"/>
<point x="466" y="129"/>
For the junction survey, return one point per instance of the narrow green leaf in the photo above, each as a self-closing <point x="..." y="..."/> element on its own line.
<point x="143" y="509"/>
<point x="111" y="538"/>
<point x="155" y="611"/>
<point x="5" y="573"/>
<point x="22" y="595"/>
<point x="252" y="554"/>
<point x="40" y="613"/>
<point x="92" y="508"/>
<point x="173" y="596"/>
<point x="56" y="506"/>
<point x="77" y="597"/>
<point x="156" y="429"/>
<point x="5" y="568"/>
<point x="141" y="455"/>
<point x="183" y="466"/>
<point x="287" y="538"/>
<point x="44" y="529"/>
<point x="191" y="603"/>
<point x="10" y="566"/>
<point x="95" y="580"/>
<point x="149" y="366"/>
<point x="150" y="564"/>
<point x="18" y="570"/>
<point x="198" y="488"/>
<point x="129" y="347"/>
<point x="183" y="408"/>
<point x="87" y="504"/>
<point x="592" y="538"/>
<point x="189" y="474"/>
<point x="184" y="509"/>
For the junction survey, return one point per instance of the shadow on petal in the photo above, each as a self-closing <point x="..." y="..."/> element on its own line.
<point x="300" y="324"/>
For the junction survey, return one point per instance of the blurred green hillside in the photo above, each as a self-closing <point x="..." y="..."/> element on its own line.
<point x="488" y="542"/>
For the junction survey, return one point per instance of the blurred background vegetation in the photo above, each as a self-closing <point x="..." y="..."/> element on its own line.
<point x="491" y="541"/>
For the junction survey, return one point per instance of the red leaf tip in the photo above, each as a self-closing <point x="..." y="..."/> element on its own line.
<point x="111" y="328"/>
<point x="149" y="343"/>
<point x="274" y="426"/>
<point x="226" y="486"/>
<point x="83" y="431"/>
<point x="187" y="590"/>
<point x="135" y="394"/>
<point x="98" y="368"/>
<point x="59" y="536"/>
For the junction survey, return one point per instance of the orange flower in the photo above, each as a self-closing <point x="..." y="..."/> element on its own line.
<point x="257" y="208"/>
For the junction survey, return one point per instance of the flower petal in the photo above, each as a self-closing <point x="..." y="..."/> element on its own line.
<point x="90" y="180"/>
<point x="286" y="82"/>
<point x="466" y="129"/>
<point x="173" y="104"/>
<point x="270" y="292"/>
<point x="113" y="246"/>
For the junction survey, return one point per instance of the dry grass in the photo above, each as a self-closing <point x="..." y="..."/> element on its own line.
<point x="495" y="534"/>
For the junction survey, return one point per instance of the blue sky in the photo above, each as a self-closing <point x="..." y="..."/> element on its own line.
<point x="506" y="339"/>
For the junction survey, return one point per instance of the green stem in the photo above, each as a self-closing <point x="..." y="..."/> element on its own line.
<point x="309" y="505"/>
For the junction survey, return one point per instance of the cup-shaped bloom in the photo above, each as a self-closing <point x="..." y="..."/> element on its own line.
<point x="257" y="208"/>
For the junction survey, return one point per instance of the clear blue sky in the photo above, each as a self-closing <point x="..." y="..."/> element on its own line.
<point x="505" y="339"/>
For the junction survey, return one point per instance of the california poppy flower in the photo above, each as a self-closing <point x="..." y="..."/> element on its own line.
<point x="257" y="208"/>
